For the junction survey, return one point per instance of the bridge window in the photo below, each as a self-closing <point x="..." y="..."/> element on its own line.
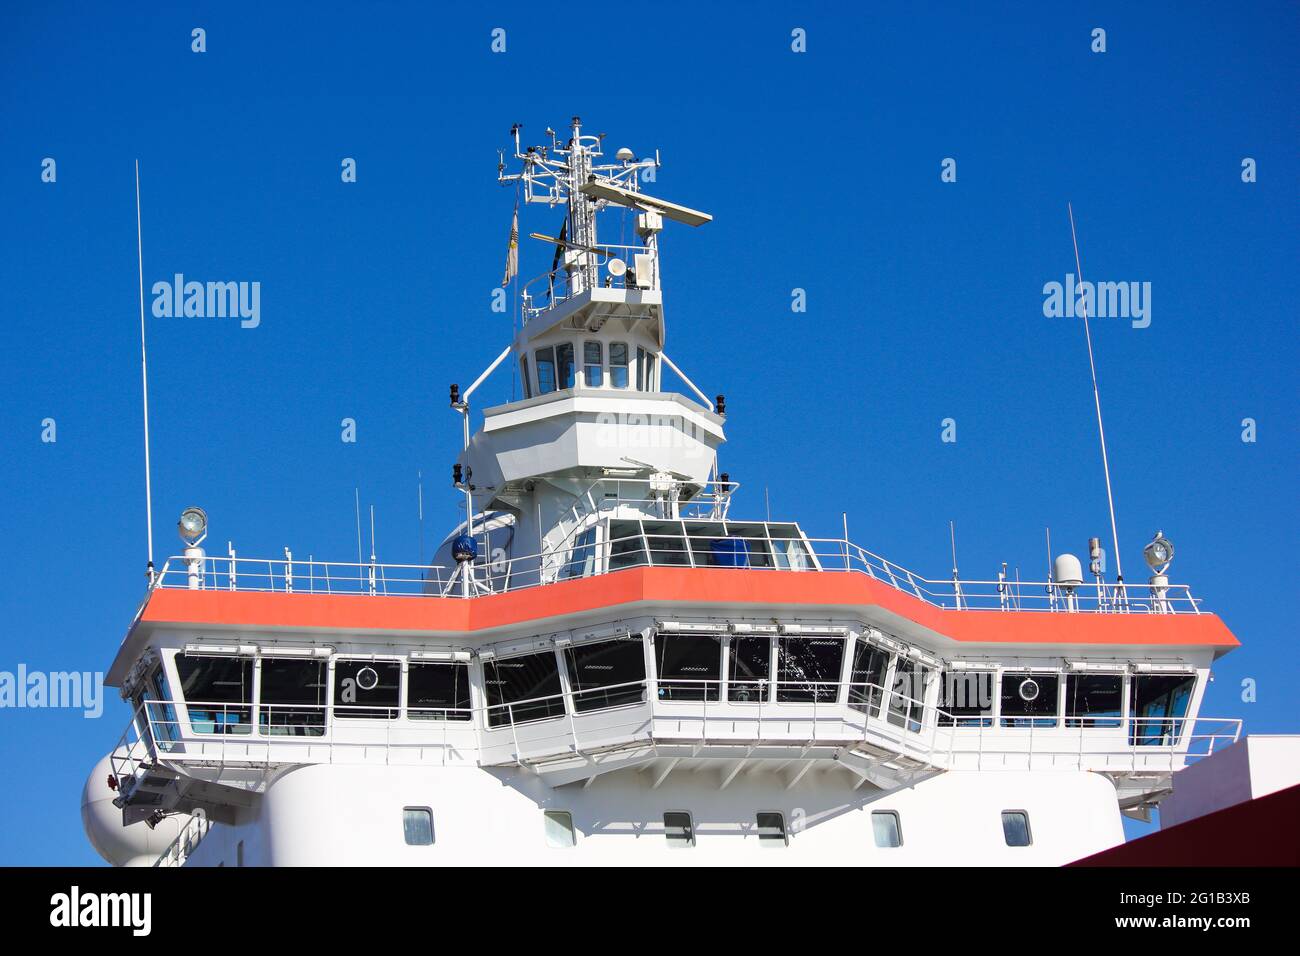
<point x="593" y="360"/>
<point x="667" y="544"/>
<point x="1158" y="702"/>
<point x="867" y="678"/>
<point x="545" y="370"/>
<point x="626" y="546"/>
<point x="750" y="670"/>
<point x="808" y="669"/>
<point x="218" y="693"/>
<point x="582" y="556"/>
<point x="1015" y="828"/>
<point x="417" y="826"/>
<point x="360" y="685"/>
<point x="907" y="698"/>
<point x="564" y="364"/>
<point x="560" y="833"/>
<point x="437" y="690"/>
<point x="606" y="673"/>
<point x="689" y="666"/>
<point x="523" y="688"/>
<point x="788" y="549"/>
<point x="966" y="699"/>
<point x="618" y="364"/>
<point x="1093" y="700"/>
<point x="1029" y="700"/>
<point x="293" y="697"/>
<point x="886" y="829"/>
<point x="679" y="830"/>
<point x="771" y="830"/>
<point x="523" y="375"/>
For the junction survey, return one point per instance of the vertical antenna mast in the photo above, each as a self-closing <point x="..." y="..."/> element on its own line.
<point x="1096" y="397"/>
<point x="144" y="379"/>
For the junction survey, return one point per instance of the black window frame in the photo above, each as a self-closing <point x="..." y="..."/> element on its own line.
<point x="670" y="686"/>
<point x="582" y="660"/>
<point x="542" y="682"/>
<point x="373" y="707"/>
<point x="460" y="708"/>
<point x="822" y="689"/>
<point x="296" y="711"/>
<point x="240" y="706"/>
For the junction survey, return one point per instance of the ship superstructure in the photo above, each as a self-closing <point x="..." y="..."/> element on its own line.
<point x="607" y="663"/>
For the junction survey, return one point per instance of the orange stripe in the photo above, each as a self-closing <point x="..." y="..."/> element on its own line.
<point x="711" y="589"/>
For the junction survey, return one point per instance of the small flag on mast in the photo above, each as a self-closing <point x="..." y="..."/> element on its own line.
<point x="512" y="253"/>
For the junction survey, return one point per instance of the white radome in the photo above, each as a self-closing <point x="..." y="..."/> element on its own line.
<point x="134" y="845"/>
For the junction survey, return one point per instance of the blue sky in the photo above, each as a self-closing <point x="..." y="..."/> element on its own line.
<point x="823" y="172"/>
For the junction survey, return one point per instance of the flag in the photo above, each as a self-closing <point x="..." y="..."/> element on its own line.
<point x="512" y="253"/>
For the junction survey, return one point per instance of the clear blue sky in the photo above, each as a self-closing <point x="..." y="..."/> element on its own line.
<point x="822" y="169"/>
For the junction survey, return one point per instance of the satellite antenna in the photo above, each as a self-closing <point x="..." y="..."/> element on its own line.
<point x="1101" y="431"/>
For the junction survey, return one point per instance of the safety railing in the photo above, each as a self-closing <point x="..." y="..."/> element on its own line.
<point x="701" y="712"/>
<point x="187" y="841"/>
<point x="692" y="548"/>
<point x="549" y="289"/>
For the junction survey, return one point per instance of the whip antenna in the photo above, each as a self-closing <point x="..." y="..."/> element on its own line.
<point x="144" y="379"/>
<point x="1096" y="397"/>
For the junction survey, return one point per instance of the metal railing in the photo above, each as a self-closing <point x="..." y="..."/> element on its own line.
<point x="799" y="713"/>
<point x="549" y="289"/>
<point x="187" y="841"/>
<point x="688" y="550"/>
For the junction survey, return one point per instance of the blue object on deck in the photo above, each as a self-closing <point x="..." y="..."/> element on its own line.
<point x="464" y="548"/>
<point x="729" y="552"/>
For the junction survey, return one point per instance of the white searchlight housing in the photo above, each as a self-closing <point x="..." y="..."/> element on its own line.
<point x="1159" y="553"/>
<point x="193" y="526"/>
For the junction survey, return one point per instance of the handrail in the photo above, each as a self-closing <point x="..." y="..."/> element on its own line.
<point x="654" y="549"/>
<point x="882" y="716"/>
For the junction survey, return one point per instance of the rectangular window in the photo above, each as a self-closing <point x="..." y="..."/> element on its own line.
<point x="523" y="688"/>
<point x="650" y="383"/>
<point x="867" y="679"/>
<point x="606" y="673"/>
<point x="689" y="666"/>
<point x="618" y="364"/>
<point x="679" y="831"/>
<point x="437" y="691"/>
<point x="788" y="550"/>
<point x="523" y="375"/>
<point x="886" y="828"/>
<point x="1029" y="700"/>
<point x="593" y="360"/>
<point x="545" y="370"/>
<point x="750" y="669"/>
<point x="966" y="699"/>
<point x="365" y="688"/>
<point x="1157" y="705"/>
<point x="640" y="369"/>
<point x="1093" y="700"/>
<point x="667" y="543"/>
<point x="626" y="546"/>
<point x="293" y="697"/>
<point x="1015" y="828"/>
<point x="558" y="825"/>
<point x="218" y="693"/>
<point x="808" y="669"/>
<point x="771" y="830"/>
<point x="564" y="365"/>
<point x="582" y="556"/>
<point x="417" y="826"/>
<point x="907" y="696"/>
